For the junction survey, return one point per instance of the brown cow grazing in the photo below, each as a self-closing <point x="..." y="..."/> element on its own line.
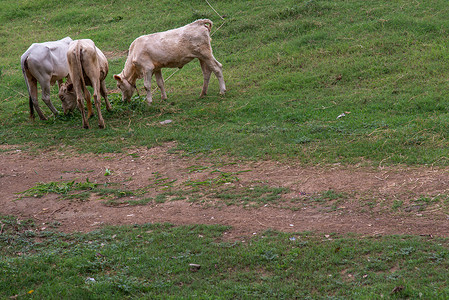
<point x="174" y="48"/>
<point x="87" y="66"/>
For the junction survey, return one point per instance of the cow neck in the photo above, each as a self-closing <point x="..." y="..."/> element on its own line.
<point x="130" y="75"/>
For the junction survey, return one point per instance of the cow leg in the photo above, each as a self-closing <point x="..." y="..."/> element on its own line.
<point x="32" y="83"/>
<point x="160" y="83"/>
<point x="104" y="93"/>
<point x="46" y="97"/>
<point x="80" y="101"/>
<point x="206" y="76"/>
<point x="147" y="84"/>
<point x="98" y="106"/>
<point x="97" y="92"/>
<point x="217" y="68"/>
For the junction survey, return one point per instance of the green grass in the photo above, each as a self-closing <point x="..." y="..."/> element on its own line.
<point x="62" y="188"/>
<point x="152" y="261"/>
<point x="290" y="69"/>
<point x="71" y="190"/>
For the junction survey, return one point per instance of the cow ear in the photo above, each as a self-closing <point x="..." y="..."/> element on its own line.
<point x="118" y="78"/>
<point x="70" y="87"/>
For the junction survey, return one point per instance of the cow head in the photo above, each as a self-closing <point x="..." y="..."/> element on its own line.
<point x="68" y="97"/>
<point x="126" y="87"/>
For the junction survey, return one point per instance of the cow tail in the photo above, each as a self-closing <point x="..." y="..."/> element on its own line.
<point x="31" y="108"/>
<point x="23" y="63"/>
<point x="79" y="65"/>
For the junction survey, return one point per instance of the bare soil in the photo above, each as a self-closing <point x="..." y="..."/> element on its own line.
<point x="370" y="201"/>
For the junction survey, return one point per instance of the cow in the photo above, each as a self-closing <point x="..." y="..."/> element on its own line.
<point x="148" y="54"/>
<point x="87" y="66"/>
<point x="45" y="63"/>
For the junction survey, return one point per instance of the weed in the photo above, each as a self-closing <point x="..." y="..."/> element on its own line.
<point x="61" y="188"/>
<point x="196" y="169"/>
<point x="328" y="196"/>
<point x="397" y="204"/>
<point x="220" y="179"/>
<point x="161" y="181"/>
<point x="161" y="198"/>
<point x="82" y="191"/>
<point x="256" y="195"/>
<point x="81" y="196"/>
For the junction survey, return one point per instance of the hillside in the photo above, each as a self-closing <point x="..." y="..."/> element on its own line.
<point x="290" y="69"/>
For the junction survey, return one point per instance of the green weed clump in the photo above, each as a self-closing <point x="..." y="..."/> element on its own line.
<point x="61" y="188"/>
<point x="71" y="190"/>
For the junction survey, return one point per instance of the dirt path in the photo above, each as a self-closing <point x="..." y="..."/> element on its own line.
<point x="368" y="201"/>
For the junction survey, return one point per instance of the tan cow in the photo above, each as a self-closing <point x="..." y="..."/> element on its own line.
<point x="87" y="66"/>
<point x="174" y="48"/>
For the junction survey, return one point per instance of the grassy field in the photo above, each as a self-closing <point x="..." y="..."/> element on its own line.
<point x="152" y="261"/>
<point x="291" y="68"/>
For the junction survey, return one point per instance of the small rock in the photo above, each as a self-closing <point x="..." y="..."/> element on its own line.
<point x="165" y="122"/>
<point x="194" y="267"/>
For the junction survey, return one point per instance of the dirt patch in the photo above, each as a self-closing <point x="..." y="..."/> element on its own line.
<point x="115" y="54"/>
<point x="339" y="199"/>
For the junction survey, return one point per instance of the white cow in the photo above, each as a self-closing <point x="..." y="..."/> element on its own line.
<point x="45" y="63"/>
<point x="87" y="66"/>
<point x="174" y="48"/>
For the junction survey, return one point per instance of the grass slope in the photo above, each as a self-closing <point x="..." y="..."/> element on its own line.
<point x="291" y="68"/>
